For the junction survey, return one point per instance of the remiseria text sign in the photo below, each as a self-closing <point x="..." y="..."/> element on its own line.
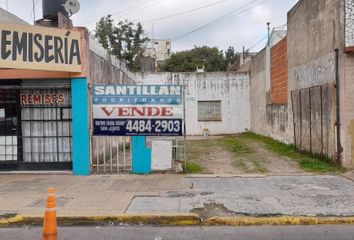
<point x="39" y="48"/>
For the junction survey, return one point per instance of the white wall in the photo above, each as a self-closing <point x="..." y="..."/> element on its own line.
<point x="232" y="89"/>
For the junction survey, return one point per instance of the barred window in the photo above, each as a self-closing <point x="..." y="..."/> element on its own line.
<point x="209" y="111"/>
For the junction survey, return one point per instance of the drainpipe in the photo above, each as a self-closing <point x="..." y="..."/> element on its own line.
<point x="338" y="123"/>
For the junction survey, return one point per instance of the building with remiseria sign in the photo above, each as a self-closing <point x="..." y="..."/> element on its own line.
<point x="45" y="74"/>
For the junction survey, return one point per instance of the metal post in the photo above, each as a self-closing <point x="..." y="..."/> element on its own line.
<point x="338" y="123"/>
<point x="294" y="124"/>
<point x="268" y="25"/>
<point x="184" y="123"/>
<point x="111" y="153"/>
<point x="97" y="155"/>
<point x="310" y="122"/>
<point x="34" y="10"/>
<point x="300" y="101"/>
<point x="118" y="142"/>
<point x="321" y="94"/>
<point x="124" y="158"/>
<point x="104" y="155"/>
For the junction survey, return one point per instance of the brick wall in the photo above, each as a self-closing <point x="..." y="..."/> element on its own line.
<point x="279" y="73"/>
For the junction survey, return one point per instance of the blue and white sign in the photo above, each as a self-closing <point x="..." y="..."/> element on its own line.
<point x="137" y="110"/>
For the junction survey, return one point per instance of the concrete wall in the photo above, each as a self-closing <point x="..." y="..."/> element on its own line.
<point x="107" y="69"/>
<point x="347" y="84"/>
<point x="313" y="34"/>
<point x="312" y="30"/>
<point x="231" y="88"/>
<point x="347" y="109"/>
<point x="258" y="92"/>
<point x="266" y="119"/>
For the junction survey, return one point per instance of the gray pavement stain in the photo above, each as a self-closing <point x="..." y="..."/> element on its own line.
<point x="60" y="202"/>
<point x="269" y="196"/>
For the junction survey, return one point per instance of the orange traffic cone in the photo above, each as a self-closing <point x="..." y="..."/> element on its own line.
<point x="49" y="231"/>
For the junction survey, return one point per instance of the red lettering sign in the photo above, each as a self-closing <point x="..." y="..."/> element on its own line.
<point x="138" y="111"/>
<point x="38" y="99"/>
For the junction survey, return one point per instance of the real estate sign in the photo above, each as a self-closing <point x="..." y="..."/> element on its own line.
<point x="137" y="110"/>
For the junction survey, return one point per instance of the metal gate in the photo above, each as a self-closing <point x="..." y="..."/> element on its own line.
<point x="111" y="154"/>
<point x="9" y="128"/>
<point x="35" y="129"/>
<point x="314" y="120"/>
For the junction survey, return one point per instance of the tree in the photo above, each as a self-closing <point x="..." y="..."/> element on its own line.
<point x="124" y="40"/>
<point x="187" y="61"/>
<point x="230" y="56"/>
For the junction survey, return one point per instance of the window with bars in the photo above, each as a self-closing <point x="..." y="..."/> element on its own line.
<point x="8" y="125"/>
<point x="209" y="111"/>
<point x="46" y="125"/>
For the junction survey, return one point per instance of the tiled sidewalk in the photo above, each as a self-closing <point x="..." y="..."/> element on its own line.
<point x="97" y="195"/>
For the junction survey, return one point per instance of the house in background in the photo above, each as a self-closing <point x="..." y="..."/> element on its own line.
<point x="156" y="52"/>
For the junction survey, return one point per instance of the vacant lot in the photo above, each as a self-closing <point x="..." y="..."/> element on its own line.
<point x="249" y="153"/>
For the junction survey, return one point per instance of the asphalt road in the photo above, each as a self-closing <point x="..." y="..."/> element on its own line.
<point x="343" y="232"/>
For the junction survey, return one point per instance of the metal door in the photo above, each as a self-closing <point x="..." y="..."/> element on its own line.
<point x="9" y="129"/>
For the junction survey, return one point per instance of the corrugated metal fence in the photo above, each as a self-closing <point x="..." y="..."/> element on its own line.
<point x="314" y="120"/>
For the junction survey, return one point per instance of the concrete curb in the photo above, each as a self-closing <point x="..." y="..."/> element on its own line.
<point x="177" y="220"/>
<point x="281" y="220"/>
<point x="188" y="219"/>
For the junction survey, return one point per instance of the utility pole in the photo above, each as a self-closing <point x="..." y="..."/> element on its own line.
<point x="34" y="11"/>
<point x="7" y="5"/>
<point x="268" y="24"/>
<point x="243" y="54"/>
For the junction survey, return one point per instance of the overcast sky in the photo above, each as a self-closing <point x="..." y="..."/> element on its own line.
<point x="244" y="24"/>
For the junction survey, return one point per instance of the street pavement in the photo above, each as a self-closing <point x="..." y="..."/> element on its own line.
<point x="258" y="196"/>
<point x="111" y="195"/>
<point x="331" y="232"/>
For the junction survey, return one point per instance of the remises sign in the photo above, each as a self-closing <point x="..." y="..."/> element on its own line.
<point x="39" y="48"/>
<point x="138" y="110"/>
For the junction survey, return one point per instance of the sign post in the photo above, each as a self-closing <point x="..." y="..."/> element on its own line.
<point x="138" y="111"/>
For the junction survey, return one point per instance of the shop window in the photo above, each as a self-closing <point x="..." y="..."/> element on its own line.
<point x="209" y="111"/>
<point x="46" y="125"/>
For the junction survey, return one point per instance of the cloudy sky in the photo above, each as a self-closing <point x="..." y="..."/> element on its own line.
<point x="220" y="23"/>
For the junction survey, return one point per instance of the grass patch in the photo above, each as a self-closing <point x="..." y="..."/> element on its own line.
<point x="234" y="145"/>
<point x="244" y="157"/>
<point x="306" y="161"/>
<point x="192" y="167"/>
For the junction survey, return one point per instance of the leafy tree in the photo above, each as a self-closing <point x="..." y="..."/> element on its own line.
<point x="230" y="55"/>
<point x="124" y="40"/>
<point x="187" y="61"/>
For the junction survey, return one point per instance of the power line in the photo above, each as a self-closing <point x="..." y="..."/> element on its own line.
<point x="257" y="43"/>
<point x="184" y="12"/>
<point x="281" y="27"/>
<point x="128" y="11"/>
<point x="222" y="18"/>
